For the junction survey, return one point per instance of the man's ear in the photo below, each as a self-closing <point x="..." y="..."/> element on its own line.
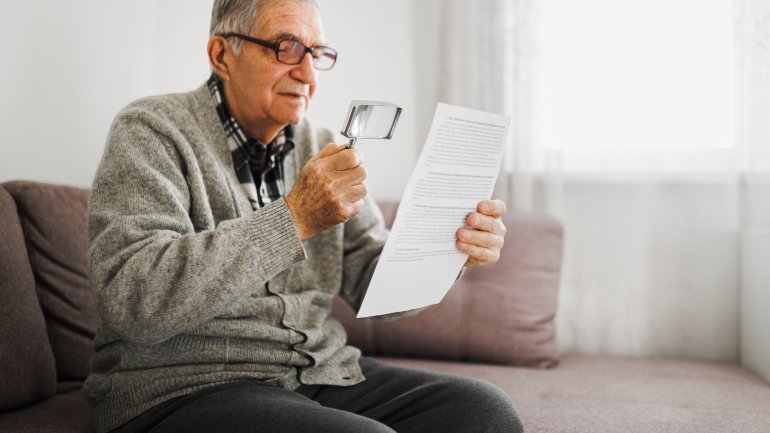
<point x="219" y="57"/>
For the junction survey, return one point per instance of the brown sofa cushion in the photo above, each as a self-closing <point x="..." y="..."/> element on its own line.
<point x="27" y="370"/>
<point x="63" y="413"/>
<point x="502" y="313"/>
<point x="54" y="223"/>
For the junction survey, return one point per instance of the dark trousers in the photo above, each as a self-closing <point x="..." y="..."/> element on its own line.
<point x="392" y="399"/>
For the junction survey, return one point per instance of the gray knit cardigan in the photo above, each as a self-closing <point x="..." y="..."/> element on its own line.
<point x="194" y="288"/>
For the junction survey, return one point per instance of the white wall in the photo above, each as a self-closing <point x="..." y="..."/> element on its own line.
<point x="62" y="83"/>
<point x="68" y="67"/>
<point x="72" y="65"/>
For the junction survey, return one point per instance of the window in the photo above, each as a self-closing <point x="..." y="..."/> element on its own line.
<point x="629" y="83"/>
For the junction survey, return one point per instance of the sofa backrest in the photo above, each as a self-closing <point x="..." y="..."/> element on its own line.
<point x="503" y="313"/>
<point x="54" y="225"/>
<point x="28" y="371"/>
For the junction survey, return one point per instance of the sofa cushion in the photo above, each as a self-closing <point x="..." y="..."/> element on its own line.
<point x="63" y="413"/>
<point x="27" y="369"/>
<point x="602" y="394"/>
<point x="502" y="313"/>
<point x="54" y="223"/>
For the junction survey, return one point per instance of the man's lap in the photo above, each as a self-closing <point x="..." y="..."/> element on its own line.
<point x="390" y="399"/>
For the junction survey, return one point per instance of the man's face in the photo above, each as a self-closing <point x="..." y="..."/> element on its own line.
<point x="265" y="92"/>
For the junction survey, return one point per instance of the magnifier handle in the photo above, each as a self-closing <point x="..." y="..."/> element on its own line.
<point x="352" y="143"/>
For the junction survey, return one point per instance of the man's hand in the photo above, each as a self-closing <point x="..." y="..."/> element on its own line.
<point x="483" y="238"/>
<point x="330" y="190"/>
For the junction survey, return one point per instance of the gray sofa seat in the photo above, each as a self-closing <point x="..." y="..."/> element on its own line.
<point x="602" y="394"/>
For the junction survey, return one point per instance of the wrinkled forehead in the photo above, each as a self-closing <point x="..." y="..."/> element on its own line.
<point x="293" y="19"/>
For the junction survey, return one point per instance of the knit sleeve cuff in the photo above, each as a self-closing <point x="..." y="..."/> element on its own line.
<point x="274" y="235"/>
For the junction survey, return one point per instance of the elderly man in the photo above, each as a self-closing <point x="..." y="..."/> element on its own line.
<point x="221" y="226"/>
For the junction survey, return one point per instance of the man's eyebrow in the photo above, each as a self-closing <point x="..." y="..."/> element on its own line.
<point x="287" y="36"/>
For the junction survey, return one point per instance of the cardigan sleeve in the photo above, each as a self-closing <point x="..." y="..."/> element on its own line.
<point x="153" y="274"/>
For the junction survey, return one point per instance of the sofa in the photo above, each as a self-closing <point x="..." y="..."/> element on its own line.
<point x="496" y="324"/>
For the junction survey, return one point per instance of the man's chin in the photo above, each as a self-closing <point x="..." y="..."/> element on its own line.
<point x="289" y="115"/>
<point x="295" y="118"/>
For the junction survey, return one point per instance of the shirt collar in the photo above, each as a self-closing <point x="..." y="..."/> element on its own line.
<point x="281" y="145"/>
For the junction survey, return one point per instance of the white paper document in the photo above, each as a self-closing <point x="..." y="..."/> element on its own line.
<point x="457" y="168"/>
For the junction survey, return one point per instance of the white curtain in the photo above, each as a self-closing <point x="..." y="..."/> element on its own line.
<point x="652" y="263"/>
<point x="489" y="62"/>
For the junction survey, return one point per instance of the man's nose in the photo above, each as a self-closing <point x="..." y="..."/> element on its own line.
<point x="304" y="71"/>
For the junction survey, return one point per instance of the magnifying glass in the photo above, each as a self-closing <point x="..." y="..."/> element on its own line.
<point x="370" y="119"/>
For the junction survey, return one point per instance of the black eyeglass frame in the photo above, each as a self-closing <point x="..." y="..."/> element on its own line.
<point x="274" y="46"/>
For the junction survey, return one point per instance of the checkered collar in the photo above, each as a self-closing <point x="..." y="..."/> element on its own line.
<point x="259" y="167"/>
<point x="282" y="144"/>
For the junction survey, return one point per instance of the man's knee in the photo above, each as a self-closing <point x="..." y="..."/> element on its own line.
<point x="492" y="408"/>
<point x="347" y="423"/>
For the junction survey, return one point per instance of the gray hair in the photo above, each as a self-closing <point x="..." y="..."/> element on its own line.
<point x="239" y="16"/>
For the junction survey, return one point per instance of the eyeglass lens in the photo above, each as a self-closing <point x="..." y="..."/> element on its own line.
<point x="292" y="52"/>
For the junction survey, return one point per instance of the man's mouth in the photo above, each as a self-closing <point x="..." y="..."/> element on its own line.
<point x="293" y="95"/>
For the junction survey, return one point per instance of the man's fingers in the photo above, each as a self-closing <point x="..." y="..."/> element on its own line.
<point x="356" y="175"/>
<point x="328" y="150"/>
<point x="486" y="223"/>
<point x="355" y="208"/>
<point x="347" y="159"/>
<point x="357" y="192"/>
<point x="479" y="238"/>
<point x="478" y="255"/>
<point x="329" y="191"/>
<point x="493" y="208"/>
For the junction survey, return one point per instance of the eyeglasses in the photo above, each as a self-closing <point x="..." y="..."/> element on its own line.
<point x="292" y="52"/>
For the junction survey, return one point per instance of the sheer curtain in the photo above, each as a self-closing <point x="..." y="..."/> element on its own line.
<point x="490" y="56"/>
<point x="652" y="260"/>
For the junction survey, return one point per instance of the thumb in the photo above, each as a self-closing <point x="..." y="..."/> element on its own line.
<point x="329" y="150"/>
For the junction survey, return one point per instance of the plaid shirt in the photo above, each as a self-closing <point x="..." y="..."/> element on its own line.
<point x="259" y="167"/>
